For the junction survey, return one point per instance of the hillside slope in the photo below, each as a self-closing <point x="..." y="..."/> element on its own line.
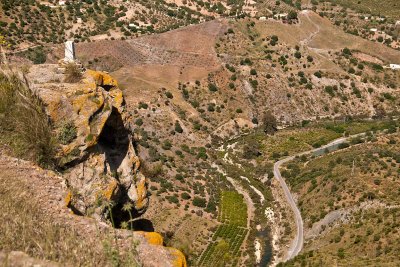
<point x="348" y="200"/>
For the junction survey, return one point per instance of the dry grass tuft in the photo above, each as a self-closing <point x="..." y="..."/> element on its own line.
<point x="24" y="226"/>
<point x="24" y="125"/>
<point x="72" y="73"/>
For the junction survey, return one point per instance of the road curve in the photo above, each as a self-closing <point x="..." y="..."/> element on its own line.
<point x="297" y="243"/>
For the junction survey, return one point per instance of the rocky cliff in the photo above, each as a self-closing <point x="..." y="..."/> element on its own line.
<point x="97" y="152"/>
<point x="46" y="189"/>
<point x="98" y="161"/>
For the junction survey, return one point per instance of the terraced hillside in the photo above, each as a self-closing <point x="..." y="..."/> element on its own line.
<point x="26" y="23"/>
<point x="192" y="46"/>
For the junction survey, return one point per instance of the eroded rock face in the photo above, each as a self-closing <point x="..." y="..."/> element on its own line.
<point x="100" y="162"/>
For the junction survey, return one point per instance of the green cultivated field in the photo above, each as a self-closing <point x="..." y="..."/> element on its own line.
<point x="224" y="250"/>
<point x="294" y="140"/>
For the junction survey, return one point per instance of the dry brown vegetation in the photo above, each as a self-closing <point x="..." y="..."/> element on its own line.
<point x="24" y="125"/>
<point x="29" y="223"/>
<point x="72" y="73"/>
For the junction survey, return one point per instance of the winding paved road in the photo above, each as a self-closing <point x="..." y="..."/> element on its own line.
<point x="297" y="243"/>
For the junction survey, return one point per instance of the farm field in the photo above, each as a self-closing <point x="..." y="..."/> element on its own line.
<point x="297" y="139"/>
<point x="225" y="247"/>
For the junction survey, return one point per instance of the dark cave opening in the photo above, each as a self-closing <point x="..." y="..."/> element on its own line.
<point x="114" y="140"/>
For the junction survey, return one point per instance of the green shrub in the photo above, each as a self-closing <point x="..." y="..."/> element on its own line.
<point x="178" y="127"/>
<point x="166" y="145"/>
<point x="67" y="133"/>
<point x="139" y="122"/>
<point x="212" y="87"/>
<point x="169" y="95"/>
<point x="199" y="202"/>
<point x="329" y="90"/>
<point x="202" y="154"/>
<point x="36" y="55"/>
<point x="172" y="199"/>
<point x="143" y="105"/>
<point x="185" y="196"/>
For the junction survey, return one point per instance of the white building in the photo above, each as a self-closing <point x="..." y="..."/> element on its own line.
<point x="61" y="3"/>
<point x="373" y="30"/>
<point x="394" y="66"/>
<point x="263" y="18"/>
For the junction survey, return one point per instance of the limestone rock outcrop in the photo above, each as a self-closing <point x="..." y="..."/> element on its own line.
<point x="97" y="154"/>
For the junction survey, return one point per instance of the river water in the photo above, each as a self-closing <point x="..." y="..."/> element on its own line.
<point x="267" y="248"/>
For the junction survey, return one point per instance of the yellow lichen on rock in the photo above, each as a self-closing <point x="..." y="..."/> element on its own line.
<point x="141" y="194"/>
<point x="111" y="190"/>
<point x="152" y="238"/>
<point x="135" y="163"/>
<point x="102" y="78"/>
<point x="108" y="80"/>
<point x="179" y="258"/>
<point x="68" y="199"/>
<point x="117" y="99"/>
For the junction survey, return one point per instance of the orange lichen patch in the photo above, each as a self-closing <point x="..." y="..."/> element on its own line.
<point x="141" y="194"/>
<point x="102" y="78"/>
<point x="54" y="110"/>
<point x="179" y="259"/>
<point x="152" y="238"/>
<point x="92" y="103"/>
<point x="118" y="99"/>
<point x="109" y="81"/>
<point x="96" y="75"/>
<point x="68" y="199"/>
<point x="91" y="86"/>
<point x="135" y="163"/>
<point x="111" y="190"/>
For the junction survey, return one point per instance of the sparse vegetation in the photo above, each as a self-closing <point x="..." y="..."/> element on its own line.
<point x="25" y="226"/>
<point x="25" y="127"/>
<point x="72" y="73"/>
